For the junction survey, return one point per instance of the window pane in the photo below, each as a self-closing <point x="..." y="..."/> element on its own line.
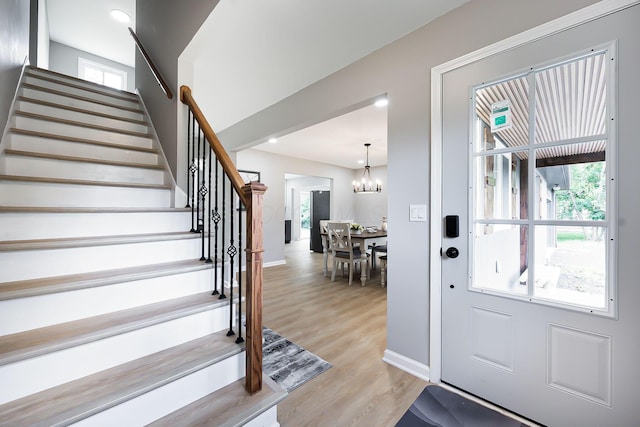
<point x="498" y="261"/>
<point x="572" y="186"/>
<point x="571" y="100"/>
<point x="93" y="75"/>
<point x="500" y="186"/>
<point x="514" y="128"/>
<point x="570" y="265"/>
<point x="113" y="80"/>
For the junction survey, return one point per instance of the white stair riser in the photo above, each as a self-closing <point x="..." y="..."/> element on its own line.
<point x="66" y="148"/>
<point x="130" y="103"/>
<point x="79" y="103"/>
<point x="35" y="73"/>
<point x="42" y="372"/>
<point x="31" y="225"/>
<point x="30" y="107"/>
<point x="31" y="264"/>
<point x="46" y="126"/>
<point x="49" y="168"/>
<point x="71" y="195"/>
<point x="16" y="315"/>
<point x="164" y="400"/>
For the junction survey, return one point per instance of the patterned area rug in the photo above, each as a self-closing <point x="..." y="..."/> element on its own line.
<point x="438" y="407"/>
<point x="288" y="364"/>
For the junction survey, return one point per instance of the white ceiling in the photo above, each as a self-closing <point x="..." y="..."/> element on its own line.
<point x="87" y="25"/>
<point x="291" y="43"/>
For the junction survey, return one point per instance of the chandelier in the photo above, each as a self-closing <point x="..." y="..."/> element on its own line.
<point x="366" y="185"/>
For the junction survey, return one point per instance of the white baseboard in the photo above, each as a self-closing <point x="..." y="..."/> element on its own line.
<point x="410" y="366"/>
<point x="274" y="263"/>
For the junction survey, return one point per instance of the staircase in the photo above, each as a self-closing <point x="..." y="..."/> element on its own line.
<point x="106" y="312"/>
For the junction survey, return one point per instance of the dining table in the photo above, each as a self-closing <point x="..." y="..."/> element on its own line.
<point x="356" y="239"/>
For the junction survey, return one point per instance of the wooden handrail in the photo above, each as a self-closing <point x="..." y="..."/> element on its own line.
<point x="216" y="145"/>
<point x="163" y="84"/>
<point x="251" y="195"/>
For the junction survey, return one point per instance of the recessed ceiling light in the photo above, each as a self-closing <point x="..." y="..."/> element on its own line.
<point x="273" y="140"/>
<point x="120" y="16"/>
<point x="361" y="162"/>
<point x="382" y="102"/>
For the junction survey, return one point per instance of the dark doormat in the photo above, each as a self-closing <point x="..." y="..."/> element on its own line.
<point x="438" y="407"/>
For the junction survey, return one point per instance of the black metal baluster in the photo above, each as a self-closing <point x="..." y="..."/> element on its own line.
<point x="224" y="221"/>
<point x="196" y="181"/>
<point x="216" y="221"/>
<point x="210" y="212"/>
<point x="203" y="193"/>
<point x="240" y="339"/>
<point x="189" y="136"/>
<point x="193" y="168"/>
<point x="231" y="251"/>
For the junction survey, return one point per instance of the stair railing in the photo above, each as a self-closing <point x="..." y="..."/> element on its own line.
<point x="152" y="66"/>
<point x="220" y="202"/>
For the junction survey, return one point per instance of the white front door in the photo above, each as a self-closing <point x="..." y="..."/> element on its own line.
<point x="540" y="166"/>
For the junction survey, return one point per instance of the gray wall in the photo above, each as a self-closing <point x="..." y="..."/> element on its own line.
<point x="273" y="168"/>
<point x="165" y="27"/>
<point x="14" y="49"/>
<point x="371" y="207"/>
<point x="64" y="59"/>
<point x="402" y="70"/>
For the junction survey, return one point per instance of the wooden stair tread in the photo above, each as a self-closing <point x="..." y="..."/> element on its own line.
<point x="74" y="242"/>
<point x="72" y="402"/>
<point x="80" y="110"/>
<point x="23" y="345"/>
<point x="71" y="282"/>
<point x="84" y="182"/>
<point x="13" y="152"/>
<point x="83" y="124"/>
<point x="73" y="209"/>
<point x="228" y="407"/>
<point x="39" y="134"/>
<point x="70" y="81"/>
<point x="79" y="98"/>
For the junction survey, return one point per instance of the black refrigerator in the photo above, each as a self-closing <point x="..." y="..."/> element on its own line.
<point x="320" y="209"/>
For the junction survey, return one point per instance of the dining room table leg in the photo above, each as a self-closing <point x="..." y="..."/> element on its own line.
<point x="325" y="255"/>
<point x="363" y="265"/>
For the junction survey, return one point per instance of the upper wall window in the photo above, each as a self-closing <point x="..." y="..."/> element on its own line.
<point x="102" y="74"/>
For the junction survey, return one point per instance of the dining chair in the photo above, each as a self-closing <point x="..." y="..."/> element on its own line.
<point x="375" y="249"/>
<point x="383" y="271"/>
<point x="342" y="249"/>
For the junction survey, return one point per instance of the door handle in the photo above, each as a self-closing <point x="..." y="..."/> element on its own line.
<point x="452" y="252"/>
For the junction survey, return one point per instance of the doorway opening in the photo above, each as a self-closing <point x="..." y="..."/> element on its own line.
<point x="305" y="215"/>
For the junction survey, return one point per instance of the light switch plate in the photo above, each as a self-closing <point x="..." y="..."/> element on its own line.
<point x="417" y="213"/>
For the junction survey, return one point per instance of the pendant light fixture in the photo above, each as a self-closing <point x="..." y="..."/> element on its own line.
<point x="366" y="185"/>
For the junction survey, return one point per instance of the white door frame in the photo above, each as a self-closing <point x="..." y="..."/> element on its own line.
<point x="589" y="13"/>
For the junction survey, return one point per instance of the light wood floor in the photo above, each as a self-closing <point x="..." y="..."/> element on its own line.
<point x="346" y="326"/>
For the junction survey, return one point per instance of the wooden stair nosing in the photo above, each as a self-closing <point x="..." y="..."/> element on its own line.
<point x="12" y="152"/>
<point x="76" y="242"/>
<point x="23" y="98"/>
<point x="72" y="402"/>
<point x="38" y="134"/>
<point x="82" y="210"/>
<point x="231" y="406"/>
<point x="43" y="180"/>
<point x="80" y="98"/>
<point x="82" y="124"/>
<point x="74" y="282"/>
<point x="82" y="84"/>
<point x="50" y="339"/>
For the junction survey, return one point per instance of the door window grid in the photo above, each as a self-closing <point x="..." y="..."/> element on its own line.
<point x="551" y="222"/>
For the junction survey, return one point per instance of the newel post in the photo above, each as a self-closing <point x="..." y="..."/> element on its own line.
<point x="254" y="193"/>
